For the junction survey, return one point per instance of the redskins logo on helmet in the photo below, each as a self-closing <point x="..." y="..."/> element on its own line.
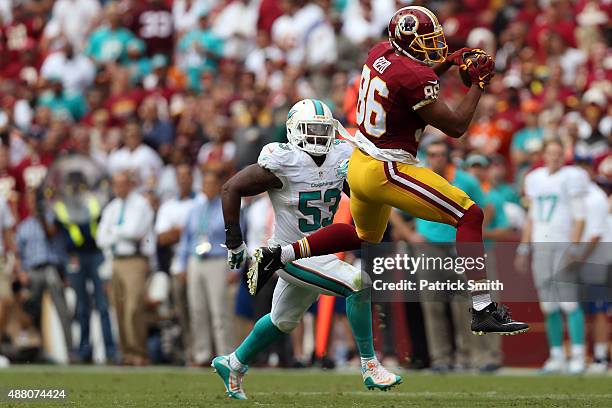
<point x="414" y="31"/>
<point x="407" y="25"/>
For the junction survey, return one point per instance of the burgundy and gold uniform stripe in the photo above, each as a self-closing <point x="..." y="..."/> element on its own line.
<point x="423" y="191"/>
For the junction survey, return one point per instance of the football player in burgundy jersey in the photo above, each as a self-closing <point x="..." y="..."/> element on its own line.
<point x="398" y="97"/>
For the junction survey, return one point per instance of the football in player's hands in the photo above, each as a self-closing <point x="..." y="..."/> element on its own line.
<point x="465" y="76"/>
<point x="457" y="57"/>
<point x="477" y="68"/>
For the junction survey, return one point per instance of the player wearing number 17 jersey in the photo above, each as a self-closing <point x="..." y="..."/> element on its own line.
<point x="398" y="97"/>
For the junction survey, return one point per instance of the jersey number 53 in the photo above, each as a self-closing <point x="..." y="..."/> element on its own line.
<point x="313" y="220"/>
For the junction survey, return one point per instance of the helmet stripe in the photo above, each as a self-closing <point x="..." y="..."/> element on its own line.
<point x="318" y="107"/>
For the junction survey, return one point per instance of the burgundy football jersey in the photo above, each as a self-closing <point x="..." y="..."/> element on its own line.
<point x="153" y="24"/>
<point x="391" y="90"/>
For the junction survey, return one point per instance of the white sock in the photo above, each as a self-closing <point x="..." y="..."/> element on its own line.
<point x="479" y="302"/>
<point x="235" y="364"/>
<point x="287" y="254"/>
<point x="600" y="351"/>
<point x="577" y="351"/>
<point x="364" y="361"/>
<point x="557" y="353"/>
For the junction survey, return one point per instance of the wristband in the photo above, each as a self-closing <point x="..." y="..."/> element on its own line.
<point x="233" y="235"/>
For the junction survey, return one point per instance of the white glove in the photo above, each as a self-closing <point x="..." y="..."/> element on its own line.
<point x="237" y="257"/>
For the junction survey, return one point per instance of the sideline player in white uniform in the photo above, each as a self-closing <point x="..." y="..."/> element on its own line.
<point x="304" y="179"/>
<point x="595" y="258"/>
<point x="555" y="225"/>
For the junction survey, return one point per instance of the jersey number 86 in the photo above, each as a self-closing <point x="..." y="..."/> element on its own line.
<point x="370" y="113"/>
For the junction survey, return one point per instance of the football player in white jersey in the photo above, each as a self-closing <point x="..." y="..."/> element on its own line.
<point x="555" y="224"/>
<point x="304" y="179"/>
<point x="595" y="258"/>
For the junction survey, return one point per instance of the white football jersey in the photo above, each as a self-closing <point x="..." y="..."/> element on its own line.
<point x="597" y="219"/>
<point x="310" y="194"/>
<point x="550" y="196"/>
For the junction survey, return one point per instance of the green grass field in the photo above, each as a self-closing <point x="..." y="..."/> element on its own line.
<point x="170" y="387"/>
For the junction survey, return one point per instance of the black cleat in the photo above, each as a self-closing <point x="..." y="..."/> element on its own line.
<point x="496" y="319"/>
<point x="266" y="262"/>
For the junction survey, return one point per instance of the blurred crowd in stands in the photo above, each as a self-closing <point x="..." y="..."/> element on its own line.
<point x="117" y="118"/>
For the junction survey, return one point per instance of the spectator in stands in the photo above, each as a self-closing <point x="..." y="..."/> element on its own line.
<point x="137" y="63"/>
<point x="8" y="182"/>
<point x="498" y="228"/>
<point x="157" y="133"/>
<point x="42" y="260"/>
<point x="187" y="12"/>
<point x="125" y="234"/>
<point x="220" y="152"/>
<point x="199" y="50"/>
<point x="594" y="263"/>
<point x="72" y="21"/>
<point x="369" y="18"/>
<point x="523" y="140"/>
<point x="76" y="214"/>
<point x="203" y="259"/>
<point x="8" y="266"/>
<point x="136" y="156"/>
<point x="235" y="24"/>
<point x="152" y="22"/>
<point x="169" y="225"/>
<point x="63" y="104"/>
<point x="439" y="335"/>
<point x="123" y="99"/>
<point x="76" y="71"/>
<point x="109" y="42"/>
<point x="593" y="129"/>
